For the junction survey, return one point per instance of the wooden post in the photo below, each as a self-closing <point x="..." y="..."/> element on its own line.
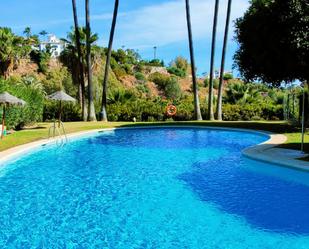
<point x="60" y="111"/>
<point x="3" y="121"/>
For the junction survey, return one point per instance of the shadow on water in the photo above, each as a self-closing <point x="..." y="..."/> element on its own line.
<point x="264" y="200"/>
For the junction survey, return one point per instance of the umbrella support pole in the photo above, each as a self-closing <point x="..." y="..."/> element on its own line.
<point x="3" y="122"/>
<point x="57" y="131"/>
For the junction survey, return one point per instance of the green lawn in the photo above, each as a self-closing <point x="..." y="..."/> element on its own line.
<point x="41" y="131"/>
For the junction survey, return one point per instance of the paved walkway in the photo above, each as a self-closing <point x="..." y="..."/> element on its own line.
<point x="269" y="153"/>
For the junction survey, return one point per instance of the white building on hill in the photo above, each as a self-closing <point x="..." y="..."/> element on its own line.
<point x="55" y="45"/>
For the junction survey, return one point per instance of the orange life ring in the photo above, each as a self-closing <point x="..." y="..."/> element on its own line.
<point x="171" y="110"/>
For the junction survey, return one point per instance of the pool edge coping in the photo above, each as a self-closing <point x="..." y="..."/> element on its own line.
<point x="256" y="152"/>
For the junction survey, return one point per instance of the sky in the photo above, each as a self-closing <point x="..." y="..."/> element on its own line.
<point x="142" y="24"/>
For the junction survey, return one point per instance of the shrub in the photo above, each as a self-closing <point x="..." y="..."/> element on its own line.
<point x="177" y="71"/>
<point x="139" y="67"/>
<point x="180" y="63"/>
<point x="128" y="68"/>
<point x="169" y="85"/>
<point x="216" y="83"/>
<point x="70" y="111"/>
<point x="252" y="112"/>
<point x="17" y="116"/>
<point x="119" y="72"/>
<point x="228" y="76"/>
<point x="140" y="76"/>
<point x="172" y="89"/>
<point x="41" y="58"/>
<point x="143" y="88"/>
<point x="139" y="108"/>
<point x="159" y="79"/>
<point x="206" y="82"/>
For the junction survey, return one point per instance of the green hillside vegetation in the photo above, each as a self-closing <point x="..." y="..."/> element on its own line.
<point x="137" y="88"/>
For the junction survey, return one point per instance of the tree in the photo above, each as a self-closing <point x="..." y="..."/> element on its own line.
<point x="197" y="110"/>
<point x="226" y="32"/>
<point x="181" y="63"/>
<point x="27" y="32"/>
<point x="103" y="114"/>
<point x="12" y="48"/>
<point x="273" y="41"/>
<point x="91" y="110"/>
<point x="210" y="114"/>
<point x="43" y="33"/>
<point x="80" y="70"/>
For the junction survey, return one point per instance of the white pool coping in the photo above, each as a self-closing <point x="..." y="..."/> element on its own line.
<point x="263" y="152"/>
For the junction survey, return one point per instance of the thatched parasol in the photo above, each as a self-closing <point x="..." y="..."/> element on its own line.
<point x="8" y="99"/>
<point x="61" y="96"/>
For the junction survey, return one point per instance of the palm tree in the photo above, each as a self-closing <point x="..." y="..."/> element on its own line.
<point x="91" y="110"/>
<point x="226" y="33"/>
<point x="27" y="32"/>
<point x="80" y="63"/>
<point x="103" y="114"/>
<point x="43" y="33"/>
<point x="212" y="59"/>
<point x="12" y="49"/>
<point x="197" y="110"/>
<point x="8" y="46"/>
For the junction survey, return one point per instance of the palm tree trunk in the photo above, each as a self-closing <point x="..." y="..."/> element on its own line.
<point x="212" y="59"/>
<point x="91" y="110"/>
<point x="197" y="110"/>
<point x="226" y="33"/>
<point x="103" y="114"/>
<point x="80" y="62"/>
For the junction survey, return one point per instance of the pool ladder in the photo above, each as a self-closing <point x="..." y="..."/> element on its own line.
<point x="57" y="132"/>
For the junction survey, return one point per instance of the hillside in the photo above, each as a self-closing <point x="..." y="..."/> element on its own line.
<point x="137" y="88"/>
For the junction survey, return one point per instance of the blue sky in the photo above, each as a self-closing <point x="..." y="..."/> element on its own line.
<point x="142" y="24"/>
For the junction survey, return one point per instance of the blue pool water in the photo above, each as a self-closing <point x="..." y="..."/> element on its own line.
<point x="152" y="188"/>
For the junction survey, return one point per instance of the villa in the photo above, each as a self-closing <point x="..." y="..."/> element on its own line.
<point x="56" y="45"/>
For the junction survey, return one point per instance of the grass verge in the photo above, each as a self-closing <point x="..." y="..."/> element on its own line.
<point x="41" y="131"/>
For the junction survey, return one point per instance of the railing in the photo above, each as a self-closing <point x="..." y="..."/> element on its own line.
<point x="57" y="132"/>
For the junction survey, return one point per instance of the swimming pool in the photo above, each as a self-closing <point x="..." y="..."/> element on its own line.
<point x="152" y="188"/>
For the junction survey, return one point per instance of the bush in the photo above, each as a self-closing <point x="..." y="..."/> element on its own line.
<point x="143" y="88"/>
<point x="177" y="71"/>
<point x="169" y="85"/>
<point x="70" y="111"/>
<point x="17" y="116"/>
<point x="140" y="76"/>
<point x="180" y="63"/>
<point x="119" y="72"/>
<point x="255" y="112"/>
<point x="139" y="68"/>
<point x="216" y="83"/>
<point x="128" y="68"/>
<point x="140" y="109"/>
<point x="228" y="76"/>
<point x="206" y="82"/>
<point x="172" y="89"/>
<point x="42" y="59"/>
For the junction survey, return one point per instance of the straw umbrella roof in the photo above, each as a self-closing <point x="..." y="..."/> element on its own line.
<point x="61" y="96"/>
<point x="6" y="98"/>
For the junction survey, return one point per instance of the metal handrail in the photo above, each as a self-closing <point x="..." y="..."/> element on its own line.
<point x="57" y="132"/>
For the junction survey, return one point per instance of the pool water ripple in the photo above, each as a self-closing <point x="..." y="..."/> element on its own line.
<point x="152" y="188"/>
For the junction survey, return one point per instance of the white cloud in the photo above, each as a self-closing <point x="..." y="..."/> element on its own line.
<point x="165" y="23"/>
